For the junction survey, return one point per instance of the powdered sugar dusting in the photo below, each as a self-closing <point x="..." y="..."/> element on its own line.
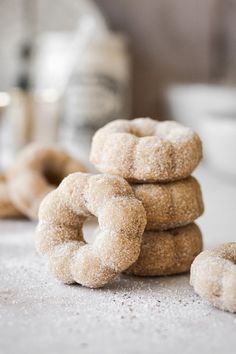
<point x="122" y="219"/>
<point x="142" y="315"/>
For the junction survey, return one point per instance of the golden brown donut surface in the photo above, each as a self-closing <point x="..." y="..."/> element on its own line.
<point x="171" y="204"/>
<point x="146" y="150"/>
<point x="7" y="208"/>
<point x="37" y="171"/>
<point x="168" y="252"/>
<point x="121" y="218"/>
<point x="213" y="276"/>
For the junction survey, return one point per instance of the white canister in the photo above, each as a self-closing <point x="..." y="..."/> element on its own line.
<point x="218" y="133"/>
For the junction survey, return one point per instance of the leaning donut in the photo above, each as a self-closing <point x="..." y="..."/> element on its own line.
<point x="121" y="218"/>
<point x="213" y="276"/>
<point x="37" y="171"/>
<point x="169" y="205"/>
<point x="168" y="252"/>
<point x="7" y="208"/>
<point x="145" y="150"/>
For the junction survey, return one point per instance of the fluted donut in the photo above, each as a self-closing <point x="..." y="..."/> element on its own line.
<point x="121" y="219"/>
<point x="7" y="208"/>
<point x="37" y="171"/>
<point x="168" y="252"/>
<point x="213" y="276"/>
<point x="146" y="150"/>
<point x="171" y="204"/>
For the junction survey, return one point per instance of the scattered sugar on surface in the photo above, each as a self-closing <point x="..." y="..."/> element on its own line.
<point x="128" y="313"/>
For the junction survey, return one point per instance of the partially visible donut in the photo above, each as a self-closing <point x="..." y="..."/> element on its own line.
<point x="213" y="276"/>
<point x="168" y="252"/>
<point x="7" y="208"/>
<point x="171" y="204"/>
<point x="37" y="171"/>
<point x="146" y="150"/>
<point x="59" y="236"/>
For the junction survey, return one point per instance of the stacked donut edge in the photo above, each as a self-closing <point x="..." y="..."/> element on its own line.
<point x="159" y="171"/>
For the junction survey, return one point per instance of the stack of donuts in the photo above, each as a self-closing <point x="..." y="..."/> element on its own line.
<point x="157" y="159"/>
<point x="145" y="202"/>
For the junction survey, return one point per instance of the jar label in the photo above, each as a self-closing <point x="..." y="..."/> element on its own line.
<point x="94" y="99"/>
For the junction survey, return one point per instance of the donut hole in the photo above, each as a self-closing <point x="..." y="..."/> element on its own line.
<point x="52" y="177"/>
<point x="140" y="133"/>
<point x="90" y="229"/>
<point x="165" y="130"/>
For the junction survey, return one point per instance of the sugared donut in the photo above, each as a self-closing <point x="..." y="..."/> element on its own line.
<point x="7" y="208"/>
<point x="213" y="276"/>
<point x="171" y="204"/>
<point x="146" y="150"/>
<point x="121" y="219"/>
<point x="37" y="171"/>
<point x="168" y="252"/>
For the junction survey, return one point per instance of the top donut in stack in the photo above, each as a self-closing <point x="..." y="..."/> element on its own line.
<point x="144" y="150"/>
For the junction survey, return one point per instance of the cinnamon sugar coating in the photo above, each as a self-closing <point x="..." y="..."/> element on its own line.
<point x="171" y="204"/>
<point x="213" y="276"/>
<point x="7" y="208"/>
<point x="146" y="150"/>
<point x="36" y="172"/>
<point x="168" y="252"/>
<point x="59" y="236"/>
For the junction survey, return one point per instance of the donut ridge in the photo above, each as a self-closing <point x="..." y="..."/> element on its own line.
<point x="59" y="236"/>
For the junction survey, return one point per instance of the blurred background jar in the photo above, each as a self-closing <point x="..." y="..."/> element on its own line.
<point x="17" y="117"/>
<point x="98" y="89"/>
<point x="70" y="79"/>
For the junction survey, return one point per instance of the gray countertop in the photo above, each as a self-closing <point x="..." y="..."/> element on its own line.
<point x="131" y="315"/>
